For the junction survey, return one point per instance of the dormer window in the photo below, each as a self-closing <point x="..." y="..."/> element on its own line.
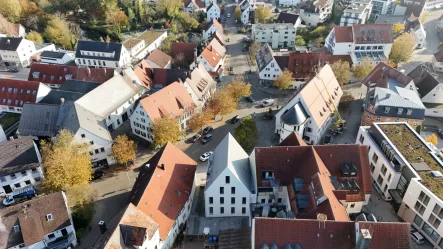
<point x="409" y="112"/>
<point x="68" y="76"/>
<point x="387" y="109"/>
<point x="400" y="110"/>
<point x="35" y="75"/>
<point x="16" y="228"/>
<point x="266" y="174"/>
<point x="48" y="217"/>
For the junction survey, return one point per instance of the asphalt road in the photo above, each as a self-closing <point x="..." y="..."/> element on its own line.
<point x="20" y="75"/>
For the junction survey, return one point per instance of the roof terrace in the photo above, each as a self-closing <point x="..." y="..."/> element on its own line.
<point x="415" y="151"/>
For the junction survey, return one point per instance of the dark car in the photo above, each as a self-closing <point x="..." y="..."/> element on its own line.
<point x="97" y="175"/>
<point x="250" y="99"/>
<point x="440" y="133"/>
<point x="235" y="119"/>
<point x="195" y="138"/>
<point x="206" y="138"/>
<point x="13" y="70"/>
<point x="207" y="130"/>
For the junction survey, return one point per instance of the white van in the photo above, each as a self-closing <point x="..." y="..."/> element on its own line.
<point x="267" y="102"/>
<point x="416" y="236"/>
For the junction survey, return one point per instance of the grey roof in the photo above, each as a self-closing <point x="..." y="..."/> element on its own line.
<point x="53" y="54"/>
<point x="264" y="56"/>
<point x="94" y="46"/>
<point x="39" y="120"/>
<point x="296" y="115"/>
<point x="285" y="17"/>
<point x="390" y="19"/>
<point x="18" y="155"/>
<point x="423" y="80"/>
<point x="71" y="90"/>
<point x="10" y="43"/>
<point x="229" y="155"/>
<point x="401" y="98"/>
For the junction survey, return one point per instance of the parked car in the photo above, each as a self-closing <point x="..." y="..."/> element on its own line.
<point x="229" y="15"/>
<point x="268" y="102"/>
<point x="206" y="156"/>
<point x="228" y="40"/>
<point x="207" y="129"/>
<point x="97" y="174"/>
<point x="440" y="133"/>
<point x="418" y="238"/>
<point x="19" y="195"/>
<point x="235" y="119"/>
<point x="206" y="138"/>
<point x="195" y="138"/>
<point x="13" y="70"/>
<point x="250" y="99"/>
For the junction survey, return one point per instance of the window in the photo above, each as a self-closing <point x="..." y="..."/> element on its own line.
<point x="227" y="180"/>
<point x="424" y="198"/>
<point x="383" y="169"/>
<point x="434" y="221"/>
<point x="17" y="185"/>
<point x="263" y="201"/>
<point x="389" y="177"/>
<point x="279" y="200"/>
<point x="222" y="190"/>
<point x="211" y="200"/>
<point x="24" y="173"/>
<point x="2" y="179"/>
<point x="51" y="236"/>
<point x="269" y="200"/>
<point x="233" y="190"/>
<point x="211" y="210"/>
<point x="243" y="201"/>
<point x="102" y="149"/>
<point x="418" y="220"/>
<point x="222" y="210"/>
<point x="28" y="182"/>
<point x="380" y="180"/>
<point x="37" y="179"/>
<point x="16" y="229"/>
<point x="372" y="168"/>
<point x="232" y="210"/>
<point x="352" y="205"/>
<point x="243" y="210"/>
<point x="48" y="217"/>
<point x="83" y="135"/>
<point x="362" y="139"/>
<point x="267" y="174"/>
<point x="399" y="110"/>
<point x="419" y="207"/>
<point x="430" y="232"/>
<point x="91" y="142"/>
<point x="375" y="158"/>
<point x="222" y="200"/>
<point x="438" y="211"/>
<point x="232" y="200"/>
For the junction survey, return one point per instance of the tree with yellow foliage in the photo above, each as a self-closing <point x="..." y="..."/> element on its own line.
<point x="237" y="88"/>
<point x="284" y="80"/>
<point x="165" y="130"/>
<point x="123" y="149"/>
<point x="397" y="28"/>
<point x="432" y="139"/>
<point x="35" y="37"/>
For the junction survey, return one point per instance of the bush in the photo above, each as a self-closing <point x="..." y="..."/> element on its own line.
<point x="82" y="217"/>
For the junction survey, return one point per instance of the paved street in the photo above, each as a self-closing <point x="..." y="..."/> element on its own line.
<point x="20" y="75"/>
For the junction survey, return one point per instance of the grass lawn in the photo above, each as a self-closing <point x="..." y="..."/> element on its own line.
<point x="8" y="120"/>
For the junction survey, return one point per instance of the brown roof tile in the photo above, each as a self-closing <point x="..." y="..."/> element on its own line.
<point x="159" y="58"/>
<point x="207" y="25"/>
<point x="188" y="49"/>
<point x="211" y="56"/>
<point x="303" y="65"/>
<point x="143" y="73"/>
<point x="293" y="140"/>
<point x="378" y="31"/>
<point x="343" y="34"/>
<point x="17" y="91"/>
<point x="161" y="193"/>
<point x="56" y="74"/>
<point x="381" y="75"/>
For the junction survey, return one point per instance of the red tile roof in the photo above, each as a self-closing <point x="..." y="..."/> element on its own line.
<point x="328" y="234"/>
<point x="159" y="58"/>
<point x="343" y="34"/>
<point x="211" y="56"/>
<point x="381" y="74"/>
<point x="143" y="73"/>
<point x="362" y="32"/>
<point x="303" y="65"/>
<point x="17" y="91"/>
<point x="56" y="74"/>
<point x="207" y="25"/>
<point x="161" y="193"/>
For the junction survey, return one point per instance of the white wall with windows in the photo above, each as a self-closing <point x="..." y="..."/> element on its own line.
<point x="100" y="149"/>
<point x="277" y="35"/>
<point x="213" y="13"/>
<point x="100" y="62"/>
<point x="20" y="179"/>
<point x="22" y="56"/>
<point x="207" y="34"/>
<point x="271" y="71"/>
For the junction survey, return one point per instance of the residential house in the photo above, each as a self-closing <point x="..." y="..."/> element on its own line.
<point x="286" y="17"/>
<point x="171" y="101"/>
<point x="302" y="181"/>
<point x="144" y="44"/>
<point x="278" y="35"/>
<point x="405" y="170"/>
<point x="312" y="109"/>
<point x="314" y="12"/>
<point x="415" y="27"/>
<point x="437" y="61"/>
<point x="229" y="183"/>
<point x="422" y="5"/>
<point x="60" y="57"/>
<point x="212" y="58"/>
<point x="391" y="96"/>
<point x="429" y="83"/>
<point x="158" y="59"/>
<point x="102" y="54"/>
<point x="210" y="28"/>
<point x="183" y="54"/>
<point x="192" y="6"/>
<point x="286" y="233"/>
<point x="20" y="164"/>
<point x="288" y="3"/>
<point x="382" y="7"/>
<point x="357" y="12"/>
<point x="361" y="41"/>
<point x="200" y="86"/>
<point x="213" y="11"/>
<point x="15" y="93"/>
<point x="2" y="135"/>
<point x="16" y="51"/>
<point x="245" y="9"/>
<point x="155" y="79"/>
<point x="55" y="76"/>
<point x="43" y="222"/>
<point x="13" y="30"/>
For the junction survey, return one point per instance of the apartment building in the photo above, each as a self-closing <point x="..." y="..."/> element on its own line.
<point x="415" y="27"/>
<point x="200" y="85"/>
<point x="245" y="8"/>
<point x="278" y="35"/>
<point x="382" y="7"/>
<point x="213" y="12"/>
<point x="428" y="81"/>
<point x="102" y="54"/>
<point x="406" y="170"/>
<point x="20" y="165"/>
<point x="15" y="93"/>
<point x="357" y="12"/>
<point x="16" y="51"/>
<point x="142" y="45"/>
<point x="361" y="41"/>
<point x="315" y="12"/>
<point x="311" y="110"/>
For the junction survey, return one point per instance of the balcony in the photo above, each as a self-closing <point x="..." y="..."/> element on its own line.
<point x="62" y="242"/>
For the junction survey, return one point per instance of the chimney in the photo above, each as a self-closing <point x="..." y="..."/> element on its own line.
<point x="8" y="41"/>
<point x="102" y="226"/>
<point x="363" y="239"/>
<point x="62" y="101"/>
<point x="162" y="166"/>
<point x="89" y="71"/>
<point x="104" y="71"/>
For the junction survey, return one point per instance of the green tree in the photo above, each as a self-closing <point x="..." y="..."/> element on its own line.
<point x="66" y="163"/>
<point x="165" y="130"/>
<point x="284" y="80"/>
<point x="34" y="36"/>
<point x="59" y="33"/>
<point x="418" y="129"/>
<point x="187" y="22"/>
<point x="124" y="150"/>
<point x="247" y="133"/>
<point x="237" y="13"/>
<point x="237" y="88"/>
<point x="402" y="48"/>
<point x="118" y="19"/>
<point x="131" y="18"/>
<point x="148" y="14"/>
<point x="254" y="48"/>
<point x="140" y="10"/>
<point x="342" y="72"/>
<point x="222" y="103"/>
<point x="321" y="31"/>
<point x="170" y="7"/>
<point x="362" y="70"/>
<point x="11" y="9"/>
<point x="262" y="13"/>
<point x="299" y="41"/>
<point x="200" y="120"/>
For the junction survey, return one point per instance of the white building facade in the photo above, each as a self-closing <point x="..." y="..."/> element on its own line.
<point x="213" y="12"/>
<point x="211" y="29"/>
<point x="278" y="35"/>
<point x="102" y="54"/>
<point x="16" y="51"/>
<point x="357" y="12"/>
<point x="143" y="45"/>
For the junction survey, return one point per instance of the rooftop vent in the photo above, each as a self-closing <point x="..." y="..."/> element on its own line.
<point x="436" y="174"/>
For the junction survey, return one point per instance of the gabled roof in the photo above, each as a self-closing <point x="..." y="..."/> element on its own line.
<point x="163" y="186"/>
<point x="343" y="34"/>
<point x="39" y="120"/>
<point x="365" y="33"/>
<point x="31" y="217"/>
<point x="213" y="5"/>
<point x="209" y="24"/>
<point x="159" y="58"/>
<point x="423" y="80"/>
<point x="397" y="97"/>
<point x="285" y="17"/>
<point x="10" y="43"/>
<point x="18" y="91"/>
<point x="304" y="65"/>
<point x="71" y="90"/>
<point x="211" y="55"/>
<point x="264" y="56"/>
<point x="200" y="81"/>
<point x="229" y="155"/>
<point x="148" y="36"/>
<point x="58" y="74"/>
<point x="329" y="234"/>
<point x="382" y="74"/>
<point x="415" y="8"/>
<point x="96" y="46"/>
<point x="53" y="54"/>
<point x="293" y="140"/>
<point x="143" y="72"/>
<point x="173" y="100"/>
<point x="296" y="115"/>
<point x="188" y="49"/>
<point x="18" y="155"/>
